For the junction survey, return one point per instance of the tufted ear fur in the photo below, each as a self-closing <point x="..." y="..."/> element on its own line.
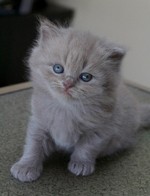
<point x="114" y="56"/>
<point x="47" y="30"/>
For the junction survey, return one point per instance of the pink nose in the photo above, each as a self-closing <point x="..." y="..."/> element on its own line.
<point x="68" y="83"/>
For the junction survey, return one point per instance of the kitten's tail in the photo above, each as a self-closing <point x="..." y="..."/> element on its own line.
<point x="145" y="115"/>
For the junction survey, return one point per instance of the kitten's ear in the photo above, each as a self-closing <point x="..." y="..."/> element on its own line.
<point x="47" y="30"/>
<point x="116" y="54"/>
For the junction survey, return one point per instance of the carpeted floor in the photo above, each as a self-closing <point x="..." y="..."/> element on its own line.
<point x="126" y="174"/>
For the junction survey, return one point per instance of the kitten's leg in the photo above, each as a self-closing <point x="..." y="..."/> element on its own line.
<point x="38" y="146"/>
<point x="83" y="158"/>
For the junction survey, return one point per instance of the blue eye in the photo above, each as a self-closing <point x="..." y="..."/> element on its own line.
<point x="58" y="68"/>
<point x="86" y="77"/>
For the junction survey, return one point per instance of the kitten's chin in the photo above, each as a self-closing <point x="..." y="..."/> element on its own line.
<point x="62" y="95"/>
<point x="67" y="95"/>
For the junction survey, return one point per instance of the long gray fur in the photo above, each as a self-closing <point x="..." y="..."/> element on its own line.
<point x="96" y="118"/>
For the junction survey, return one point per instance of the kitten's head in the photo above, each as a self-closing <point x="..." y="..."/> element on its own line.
<point x="74" y="65"/>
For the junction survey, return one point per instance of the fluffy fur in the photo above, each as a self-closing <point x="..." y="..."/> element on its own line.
<point x="90" y="119"/>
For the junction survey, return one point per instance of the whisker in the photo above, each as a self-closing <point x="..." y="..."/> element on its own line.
<point x="82" y="106"/>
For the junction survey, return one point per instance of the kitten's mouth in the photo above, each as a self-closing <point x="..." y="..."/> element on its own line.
<point x="67" y="92"/>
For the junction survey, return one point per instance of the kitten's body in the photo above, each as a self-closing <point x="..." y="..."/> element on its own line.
<point x="67" y="123"/>
<point x="89" y="119"/>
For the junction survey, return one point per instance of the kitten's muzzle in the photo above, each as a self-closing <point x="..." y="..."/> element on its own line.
<point x="68" y="82"/>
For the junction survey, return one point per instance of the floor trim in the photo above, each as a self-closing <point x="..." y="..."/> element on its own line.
<point x="26" y="85"/>
<point x="15" y="87"/>
<point x="139" y="86"/>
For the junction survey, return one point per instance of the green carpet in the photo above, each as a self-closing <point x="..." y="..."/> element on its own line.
<point x="125" y="174"/>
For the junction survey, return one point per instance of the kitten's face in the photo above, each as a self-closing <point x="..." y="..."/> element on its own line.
<point x="71" y="64"/>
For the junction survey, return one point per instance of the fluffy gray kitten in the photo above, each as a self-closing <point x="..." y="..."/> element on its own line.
<point x="79" y="102"/>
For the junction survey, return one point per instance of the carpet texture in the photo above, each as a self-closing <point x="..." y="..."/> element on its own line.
<point x="125" y="174"/>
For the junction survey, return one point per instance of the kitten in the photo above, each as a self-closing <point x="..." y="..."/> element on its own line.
<point x="79" y="102"/>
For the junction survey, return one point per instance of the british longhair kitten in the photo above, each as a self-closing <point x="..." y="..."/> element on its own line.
<point x="79" y="102"/>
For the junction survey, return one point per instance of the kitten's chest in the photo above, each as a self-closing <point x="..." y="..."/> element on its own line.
<point x="63" y="129"/>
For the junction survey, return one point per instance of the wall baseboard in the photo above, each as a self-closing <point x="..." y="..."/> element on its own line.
<point x="136" y="85"/>
<point x="26" y="85"/>
<point x="15" y="87"/>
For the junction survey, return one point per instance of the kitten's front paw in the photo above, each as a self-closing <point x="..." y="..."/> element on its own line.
<point x="26" y="172"/>
<point x="81" y="168"/>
